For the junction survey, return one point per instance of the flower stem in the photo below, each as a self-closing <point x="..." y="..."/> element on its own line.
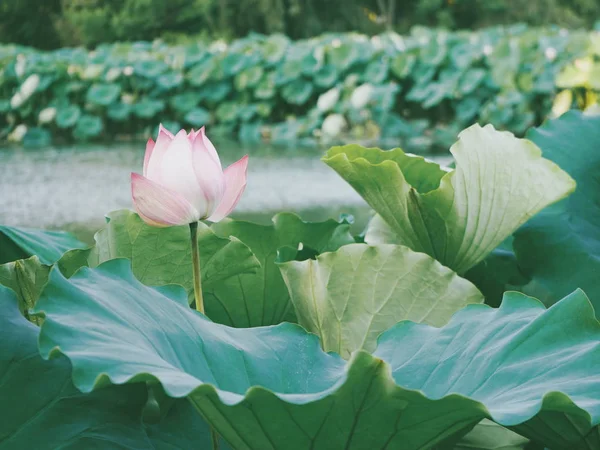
<point x="214" y="438"/>
<point x="196" y="267"/>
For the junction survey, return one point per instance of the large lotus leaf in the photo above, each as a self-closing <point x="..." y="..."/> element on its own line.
<point x="460" y="216"/>
<point x="48" y="246"/>
<point x="250" y="300"/>
<point x="488" y="435"/>
<point x="497" y="273"/>
<point x="525" y="367"/>
<point x="161" y="256"/>
<point x="42" y="409"/>
<point x="103" y="94"/>
<point x="560" y="247"/>
<point x="349" y="297"/>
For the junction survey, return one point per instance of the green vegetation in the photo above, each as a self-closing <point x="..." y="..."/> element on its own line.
<point x="416" y="91"/>
<point x="316" y="338"/>
<point x="56" y="23"/>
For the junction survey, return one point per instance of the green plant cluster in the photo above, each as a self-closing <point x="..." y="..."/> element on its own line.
<point x="417" y="90"/>
<point x="424" y="332"/>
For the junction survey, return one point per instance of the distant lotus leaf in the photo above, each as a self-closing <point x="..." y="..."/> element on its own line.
<point x="103" y="94"/>
<point x="67" y="116"/>
<point x="197" y="117"/>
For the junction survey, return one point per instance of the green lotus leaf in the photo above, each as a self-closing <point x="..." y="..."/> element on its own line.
<point x="471" y="80"/>
<point x="48" y="246"/>
<point x="488" y="435"/>
<point x="216" y="92"/>
<point x="170" y="80"/>
<point x="349" y="297"/>
<point x="150" y="68"/>
<point x="37" y="137"/>
<point x="297" y="92"/>
<point x="42" y="409"/>
<point x="161" y="256"/>
<point x="342" y="56"/>
<point x="250" y="300"/>
<point x="289" y="71"/>
<point x="522" y="366"/>
<point x="248" y="78"/>
<point x="247" y="112"/>
<point x="467" y="109"/>
<point x="462" y="55"/>
<point x="402" y="65"/>
<point x="119" y="111"/>
<point x="67" y="116"/>
<point x="26" y="277"/>
<point x="274" y="48"/>
<point x="497" y="273"/>
<point x="560" y="247"/>
<point x="460" y="216"/>
<point x="184" y="103"/>
<point x="147" y="108"/>
<point x="228" y="112"/>
<point x="103" y="94"/>
<point x="88" y="126"/>
<point x="201" y="72"/>
<point x="197" y="117"/>
<point x="376" y="71"/>
<point x="433" y="54"/>
<point x="326" y="76"/>
<point x="233" y="63"/>
<point x="266" y="87"/>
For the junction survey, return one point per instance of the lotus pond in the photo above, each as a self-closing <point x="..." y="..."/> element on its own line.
<point x="463" y="315"/>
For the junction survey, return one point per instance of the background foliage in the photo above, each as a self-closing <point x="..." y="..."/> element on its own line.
<point x="416" y="90"/>
<point x="55" y="23"/>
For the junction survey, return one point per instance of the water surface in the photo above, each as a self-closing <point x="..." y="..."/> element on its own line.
<point x="73" y="187"/>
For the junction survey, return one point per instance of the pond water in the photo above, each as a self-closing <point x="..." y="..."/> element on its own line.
<point x="73" y="187"/>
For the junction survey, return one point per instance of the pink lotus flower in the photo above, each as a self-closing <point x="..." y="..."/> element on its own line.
<point x="183" y="181"/>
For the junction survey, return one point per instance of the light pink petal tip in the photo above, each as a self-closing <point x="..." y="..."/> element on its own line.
<point x="149" y="147"/>
<point x="208" y="145"/>
<point x="162" y="129"/>
<point x="235" y="183"/>
<point x="158" y="206"/>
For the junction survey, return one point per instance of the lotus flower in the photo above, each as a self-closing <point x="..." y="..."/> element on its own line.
<point x="183" y="181"/>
